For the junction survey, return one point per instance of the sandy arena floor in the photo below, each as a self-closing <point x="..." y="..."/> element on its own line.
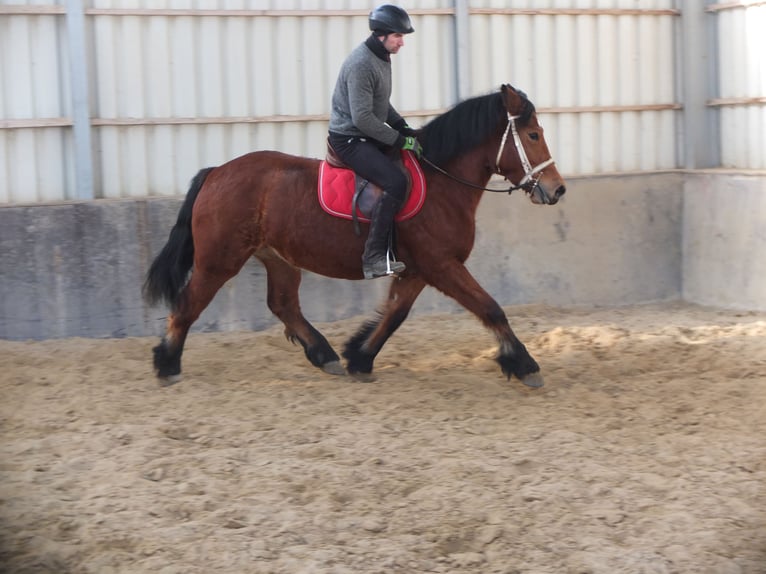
<point x="644" y="453"/>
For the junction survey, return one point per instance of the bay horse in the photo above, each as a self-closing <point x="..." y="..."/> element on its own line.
<point x="264" y="205"/>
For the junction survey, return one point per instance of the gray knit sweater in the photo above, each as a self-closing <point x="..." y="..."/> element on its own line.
<point x="360" y="102"/>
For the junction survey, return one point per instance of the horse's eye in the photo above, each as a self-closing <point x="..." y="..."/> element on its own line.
<point x="534" y="136"/>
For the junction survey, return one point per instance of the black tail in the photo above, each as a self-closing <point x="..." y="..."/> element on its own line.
<point x="169" y="271"/>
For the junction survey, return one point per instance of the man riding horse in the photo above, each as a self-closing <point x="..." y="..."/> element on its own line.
<point x="364" y="125"/>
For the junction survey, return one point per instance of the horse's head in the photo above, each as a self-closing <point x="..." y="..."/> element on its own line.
<point x="523" y="157"/>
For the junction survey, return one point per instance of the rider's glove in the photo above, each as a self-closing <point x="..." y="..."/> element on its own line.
<point x="412" y="144"/>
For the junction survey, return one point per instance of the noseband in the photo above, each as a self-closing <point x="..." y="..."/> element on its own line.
<point x="529" y="171"/>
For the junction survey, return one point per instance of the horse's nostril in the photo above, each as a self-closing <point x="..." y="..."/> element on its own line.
<point x="561" y="190"/>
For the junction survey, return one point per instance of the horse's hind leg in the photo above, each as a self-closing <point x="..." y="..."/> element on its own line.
<point x="283" y="299"/>
<point x="364" y="346"/>
<point x="196" y="296"/>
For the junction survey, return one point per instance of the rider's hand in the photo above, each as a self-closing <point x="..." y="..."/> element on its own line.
<point x="412" y="144"/>
<point x="402" y="127"/>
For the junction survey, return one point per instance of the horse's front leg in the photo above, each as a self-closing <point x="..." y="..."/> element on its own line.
<point x="457" y="282"/>
<point x="363" y="347"/>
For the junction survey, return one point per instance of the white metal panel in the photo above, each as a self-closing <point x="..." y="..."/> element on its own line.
<point x="564" y="137"/>
<point x="263" y="67"/>
<point x="659" y="130"/>
<point x="742" y="82"/>
<point x="608" y="129"/>
<point x="33" y="166"/>
<point x="580" y="60"/>
<point x="585" y="85"/>
<point x="732" y="52"/>
<point x="236" y="66"/>
<point x="423" y="75"/>
<point x="756" y="137"/>
<point x="743" y="142"/>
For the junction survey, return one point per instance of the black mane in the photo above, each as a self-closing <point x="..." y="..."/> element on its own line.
<point x="466" y="126"/>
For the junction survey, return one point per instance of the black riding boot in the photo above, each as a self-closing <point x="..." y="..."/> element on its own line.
<point x="375" y="261"/>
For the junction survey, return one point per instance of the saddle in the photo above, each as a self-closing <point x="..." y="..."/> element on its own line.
<point x="345" y="194"/>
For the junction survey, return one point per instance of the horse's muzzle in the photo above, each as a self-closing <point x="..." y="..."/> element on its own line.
<point x="538" y="194"/>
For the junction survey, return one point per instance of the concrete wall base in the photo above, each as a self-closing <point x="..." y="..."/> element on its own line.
<point x="724" y="240"/>
<point x="76" y="269"/>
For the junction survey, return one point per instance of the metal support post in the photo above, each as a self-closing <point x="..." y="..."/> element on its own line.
<point x="697" y="68"/>
<point x="463" y="49"/>
<point x="78" y="65"/>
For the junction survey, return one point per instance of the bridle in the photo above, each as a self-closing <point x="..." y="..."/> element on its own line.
<point x="529" y="171"/>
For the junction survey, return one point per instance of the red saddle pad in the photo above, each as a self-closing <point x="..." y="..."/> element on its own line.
<point x="336" y="190"/>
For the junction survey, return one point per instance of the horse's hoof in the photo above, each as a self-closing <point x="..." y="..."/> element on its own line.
<point x="363" y="377"/>
<point x="333" y="368"/>
<point x="534" y="380"/>
<point x="169" y="381"/>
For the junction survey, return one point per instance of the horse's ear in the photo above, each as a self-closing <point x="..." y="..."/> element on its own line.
<point x="511" y="98"/>
<point x="516" y="101"/>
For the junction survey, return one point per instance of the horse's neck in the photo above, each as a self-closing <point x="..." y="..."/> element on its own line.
<point x="463" y="197"/>
<point x="474" y="167"/>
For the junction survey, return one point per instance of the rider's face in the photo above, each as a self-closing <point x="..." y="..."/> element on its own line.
<point x="393" y="42"/>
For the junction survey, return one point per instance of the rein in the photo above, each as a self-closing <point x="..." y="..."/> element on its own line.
<point x="529" y="171"/>
<point x="468" y="183"/>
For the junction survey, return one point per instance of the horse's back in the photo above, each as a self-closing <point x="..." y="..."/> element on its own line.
<point x="254" y="175"/>
<point x="268" y="161"/>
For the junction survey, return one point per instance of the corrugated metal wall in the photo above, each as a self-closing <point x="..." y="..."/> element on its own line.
<point x="741" y="83"/>
<point x="176" y="85"/>
<point x="602" y="73"/>
<point x="35" y="138"/>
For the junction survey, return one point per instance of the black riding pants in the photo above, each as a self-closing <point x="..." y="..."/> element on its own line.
<point x="368" y="158"/>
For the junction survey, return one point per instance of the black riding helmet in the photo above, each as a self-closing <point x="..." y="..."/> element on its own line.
<point x="388" y="18"/>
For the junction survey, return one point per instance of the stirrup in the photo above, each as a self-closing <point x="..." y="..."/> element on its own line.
<point x="374" y="270"/>
<point x="392" y="268"/>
